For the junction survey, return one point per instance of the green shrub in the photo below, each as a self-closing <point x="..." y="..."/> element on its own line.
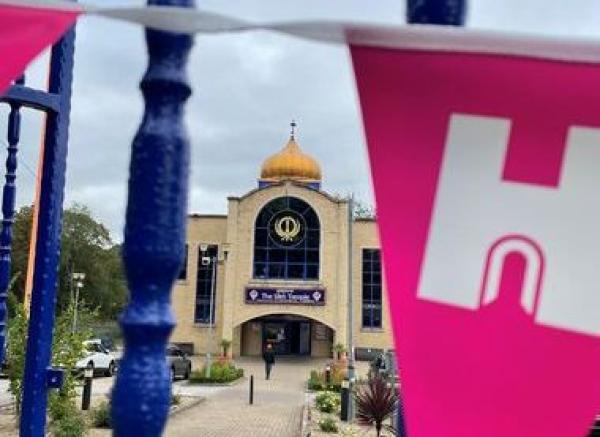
<point x="220" y="372"/>
<point x="327" y="401"/>
<point x="339" y="349"/>
<point x="225" y="345"/>
<point x="328" y="424"/>
<point x="175" y="399"/>
<point x="317" y="381"/>
<point x="67" y="421"/>
<point x="101" y="416"/>
<point x="314" y="381"/>
<point x="351" y="431"/>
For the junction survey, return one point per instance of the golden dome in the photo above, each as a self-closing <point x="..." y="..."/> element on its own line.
<point x="291" y="163"/>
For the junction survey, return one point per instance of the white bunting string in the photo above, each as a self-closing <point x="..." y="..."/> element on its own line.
<point x="422" y="37"/>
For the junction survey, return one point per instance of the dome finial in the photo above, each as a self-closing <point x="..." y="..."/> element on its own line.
<point x="291" y="163"/>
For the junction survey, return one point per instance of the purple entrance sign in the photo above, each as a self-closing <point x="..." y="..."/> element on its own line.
<point x="302" y="296"/>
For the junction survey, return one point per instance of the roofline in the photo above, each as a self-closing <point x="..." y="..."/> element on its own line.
<point x="292" y="182"/>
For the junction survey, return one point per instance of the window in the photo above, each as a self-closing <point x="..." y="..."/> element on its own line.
<point x="183" y="272"/>
<point x="371" y="288"/>
<point x="206" y="285"/>
<point x="286" y="240"/>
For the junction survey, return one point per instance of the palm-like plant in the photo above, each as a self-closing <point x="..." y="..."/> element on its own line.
<point x="225" y="344"/>
<point x="375" y="402"/>
<point x="339" y="349"/>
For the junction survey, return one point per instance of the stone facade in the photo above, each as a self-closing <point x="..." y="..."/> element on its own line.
<point x="315" y="324"/>
<point x="234" y="235"/>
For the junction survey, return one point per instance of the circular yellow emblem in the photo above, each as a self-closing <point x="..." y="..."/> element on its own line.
<point x="287" y="228"/>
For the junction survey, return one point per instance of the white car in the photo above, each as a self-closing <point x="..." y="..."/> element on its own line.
<point x="98" y="358"/>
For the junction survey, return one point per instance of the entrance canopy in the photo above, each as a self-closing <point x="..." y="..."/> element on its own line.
<point x="289" y="334"/>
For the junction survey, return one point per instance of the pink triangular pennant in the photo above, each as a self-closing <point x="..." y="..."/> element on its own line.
<point x="485" y="167"/>
<point x="24" y="33"/>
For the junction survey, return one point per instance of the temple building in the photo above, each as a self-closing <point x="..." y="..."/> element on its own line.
<point x="274" y="269"/>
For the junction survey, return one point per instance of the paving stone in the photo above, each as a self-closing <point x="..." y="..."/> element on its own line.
<point x="277" y="409"/>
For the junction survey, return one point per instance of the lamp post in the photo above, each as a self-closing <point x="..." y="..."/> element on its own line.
<point x="78" y="279"/>
<point x="348" y="411"/>
<point x="213" y="263"/>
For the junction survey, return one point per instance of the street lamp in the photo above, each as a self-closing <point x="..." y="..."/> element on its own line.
<point x="78" y="279"/>
<point x="213" y="263"/>
<point x="347" y="387"/>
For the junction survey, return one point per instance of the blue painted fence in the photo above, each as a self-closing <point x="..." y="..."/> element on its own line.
<point x="154" y="246"/>
<point x="8" y="212"/>
<point x="43" y="296"/>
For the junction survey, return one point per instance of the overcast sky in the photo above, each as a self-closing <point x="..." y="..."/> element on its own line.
<point x="246" y="89"/>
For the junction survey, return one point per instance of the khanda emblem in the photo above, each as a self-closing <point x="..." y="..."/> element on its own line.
<point x="287" y="228"/>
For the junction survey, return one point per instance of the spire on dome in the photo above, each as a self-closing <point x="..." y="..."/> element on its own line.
<point x="293" y="131"/>
<point x="291" y="164"/>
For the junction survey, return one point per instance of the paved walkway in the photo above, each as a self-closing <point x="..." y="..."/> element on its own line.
<point x="277" y="409"/>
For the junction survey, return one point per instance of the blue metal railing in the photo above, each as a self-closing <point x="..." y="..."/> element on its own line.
<point x="8" y="213"/>
<point x="154" y="245"/>
<point x="444" y="12"/>
<point x="39" y="377"/>
<point x="36" y="381"/>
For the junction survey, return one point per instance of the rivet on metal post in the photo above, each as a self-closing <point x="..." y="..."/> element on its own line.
<point x="154" y="243"/>
<point x="55" y="378"/>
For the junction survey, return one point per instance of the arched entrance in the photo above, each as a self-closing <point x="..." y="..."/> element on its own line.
<point x="289" y="334"/>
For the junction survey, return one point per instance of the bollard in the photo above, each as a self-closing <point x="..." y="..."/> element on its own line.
<point x="345" y="405"/>
<point x="251" y="389"/>
<point x="88" y="375"/>
<point x="328" y="375"/>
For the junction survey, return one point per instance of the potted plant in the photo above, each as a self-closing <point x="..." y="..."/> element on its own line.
<point x="225" y="345"/>
<point x="376" y="401"/>
<point x="339" y="349"/>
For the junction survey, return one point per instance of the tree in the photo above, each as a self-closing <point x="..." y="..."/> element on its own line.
<point x="86" y="247"/>
<point x="67" y="349"/>
<point x="362" y="210"/>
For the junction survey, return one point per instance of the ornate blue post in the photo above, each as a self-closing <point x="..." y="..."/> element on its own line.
<point x="8" y="214"/>
<point x="443" y="12"/>
<point x="154" y="245"/>
<point x="38" y="378"/>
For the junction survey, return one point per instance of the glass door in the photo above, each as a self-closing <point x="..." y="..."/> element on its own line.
<point x="276" y="333"/>
<point x="304" y="348"/>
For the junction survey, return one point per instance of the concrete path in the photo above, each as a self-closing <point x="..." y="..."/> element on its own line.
<point x="277" y="409"/>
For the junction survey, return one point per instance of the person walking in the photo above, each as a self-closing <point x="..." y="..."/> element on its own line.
<point x="269" y="357"/>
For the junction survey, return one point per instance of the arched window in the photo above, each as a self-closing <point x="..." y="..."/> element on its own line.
<point x="286" y="240"/>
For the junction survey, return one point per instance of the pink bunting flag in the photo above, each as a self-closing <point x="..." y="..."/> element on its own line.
<point x="25" y="31"/>
<point x="486" y="174"/>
